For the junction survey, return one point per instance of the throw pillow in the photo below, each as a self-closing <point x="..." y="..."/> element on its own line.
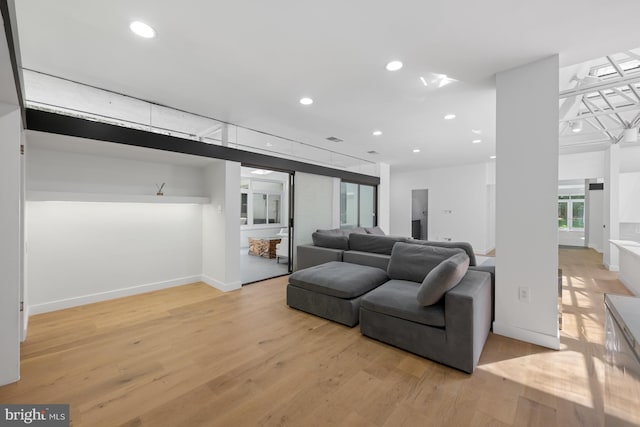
<point x="443" y="278"/>
<point x="330" y="241"/>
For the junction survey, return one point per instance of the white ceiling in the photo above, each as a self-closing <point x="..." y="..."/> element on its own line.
<point x="249" y="62"/>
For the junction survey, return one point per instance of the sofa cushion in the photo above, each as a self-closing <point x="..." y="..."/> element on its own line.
<point x="462" y="245"/>
<point x="366" y="258"/>
<point x="375" y="230"/>
<point x="413" y="262"/>
<point x="339" y="279"/>
<point x="333" y="231"/>
<point x="354" y="230"/>
<point x="333" y="241"/>
<point x="397" y="298"/>
<point x="443" y="277"/>
<point x="373" y="243"/>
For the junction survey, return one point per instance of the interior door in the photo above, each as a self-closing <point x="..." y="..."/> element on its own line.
<point x="419" y="214"/>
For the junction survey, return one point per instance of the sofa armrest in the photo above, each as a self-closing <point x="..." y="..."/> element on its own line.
<point x="468" y="311"/>
<point x="311" y="255"/>
<point x="491" y="269"/>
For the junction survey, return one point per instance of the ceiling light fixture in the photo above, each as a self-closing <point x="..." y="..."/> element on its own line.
<point x="576" y="126"/>
<point x="377" y="132"/>
<point x="416" y="150"/>
<point x="476" y="131"/>
<point x="476" y="141"/>
<point x="492" y="157"/>
<point x="142" y="29"/>
<point x="394" y="65"/>
<point x="450" y="116"/>
<point x="424" y="81"/>
<point x="261" y="172"/>
<point x="443" y="80"/>
<point x="306" y="101"/>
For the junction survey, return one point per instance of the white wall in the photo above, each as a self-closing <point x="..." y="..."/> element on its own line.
<point x="527" y="232"/>
<point x="10" y="254"/>
<point x="595" y="229"/>
<point x="51" y="170"/>
<point x="581" y="165"/>
<point x="630" y="159"/>
<point x="221" y="226"/>
<point x="384" y="197"/>
<point x="611" y="206"/>
<point x="314" y="205"/>
<point x="83" y="252"/>
<point x="629" y="197"/>
<point x="458" y="203"/>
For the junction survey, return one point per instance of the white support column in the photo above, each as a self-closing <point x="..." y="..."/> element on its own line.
<point x="221" y="227"/>
<point x="10" y="255"/>
<point x="526" y="306"/>
<point x="611" y="207"/>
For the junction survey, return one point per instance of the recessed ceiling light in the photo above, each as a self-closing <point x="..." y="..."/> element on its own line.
<point x="142" y="29"/>
<point x="450" y="116"/>
<point x="476" y="131"/>
<point x="416" y="150"/>
<point x="394" y="65"/>
<point x="377" y="132"/>
<point x="492" y="157"/>
<point x="476" y="141"/>
<point x="261" y="172"/>
<point x="306" y="101"/>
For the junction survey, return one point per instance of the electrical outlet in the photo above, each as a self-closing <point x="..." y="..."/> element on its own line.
<point x="524" y="294"/>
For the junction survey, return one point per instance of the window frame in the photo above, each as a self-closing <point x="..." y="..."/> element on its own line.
<point x="250" y="192"/>
<point x="358" y="205"/>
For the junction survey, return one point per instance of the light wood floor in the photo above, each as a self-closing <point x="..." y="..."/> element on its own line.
<point x="192" y="356"/>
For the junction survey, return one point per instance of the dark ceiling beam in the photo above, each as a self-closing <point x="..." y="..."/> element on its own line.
<point x="44" y="121"/>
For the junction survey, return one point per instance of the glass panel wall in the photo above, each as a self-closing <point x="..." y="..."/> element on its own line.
<point x="358" y="205"/>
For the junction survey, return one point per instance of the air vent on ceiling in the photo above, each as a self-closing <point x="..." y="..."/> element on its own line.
<point x="334" y="139"/>
<point x="372" y="152"/>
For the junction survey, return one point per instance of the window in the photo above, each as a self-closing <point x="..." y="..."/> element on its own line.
<point x="357" y="205"/>
<point x="571" y="212"/>
<point x="260" y="202"/>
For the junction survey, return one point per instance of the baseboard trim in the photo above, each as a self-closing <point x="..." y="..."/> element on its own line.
<point x="104" y="296"/>
<point x="611" y="267"/>
<point x="221" y="286"/>
<point x="552" y="342"/>
<point x="627" y="283"/>
<point x="25" y="325"/>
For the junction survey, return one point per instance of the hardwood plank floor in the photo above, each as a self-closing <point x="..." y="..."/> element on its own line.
<point x="193" y="356"/>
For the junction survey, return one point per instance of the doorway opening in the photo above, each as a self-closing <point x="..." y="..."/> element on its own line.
<point x="420" y="214"/>
<point x="266" y="210"/>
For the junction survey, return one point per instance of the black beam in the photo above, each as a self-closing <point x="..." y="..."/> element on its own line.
<point x="44" y="121"/>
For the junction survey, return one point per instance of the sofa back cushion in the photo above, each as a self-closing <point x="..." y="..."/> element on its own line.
<point x="461" y="245"/>
<point x="413" y="262"/>
<point x="333" y="231"/>
<point x="342" y="231"/>
<point x="442" y="278"/>
<point x="333" y="241"/>
<point x="373" y="243"/>
<point x="375" y="230"/>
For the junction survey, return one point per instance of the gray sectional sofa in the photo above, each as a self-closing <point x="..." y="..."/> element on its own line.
<point x="425" y="297"/>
